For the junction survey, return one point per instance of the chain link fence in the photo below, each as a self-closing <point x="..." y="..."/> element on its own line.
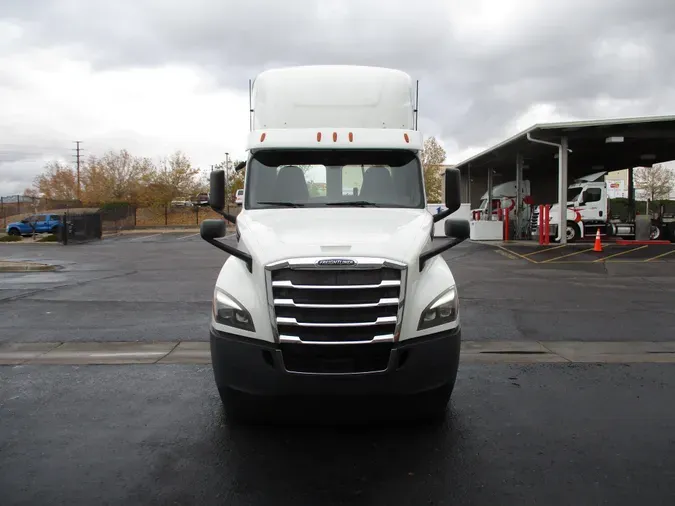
<point x="115" y="216"/>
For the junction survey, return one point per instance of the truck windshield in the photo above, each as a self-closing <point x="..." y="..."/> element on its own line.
<point x="573" y="194"/>
<point x="323" y="178"/>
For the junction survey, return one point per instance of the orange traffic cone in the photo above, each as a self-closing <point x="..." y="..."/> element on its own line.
<point x="598" y="245"/>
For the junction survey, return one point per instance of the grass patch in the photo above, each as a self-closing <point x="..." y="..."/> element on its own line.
<point x="10" y="238"/>
<point x="48" y="238"/>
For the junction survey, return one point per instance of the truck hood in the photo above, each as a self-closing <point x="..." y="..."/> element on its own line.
<point x="276" y="234"/>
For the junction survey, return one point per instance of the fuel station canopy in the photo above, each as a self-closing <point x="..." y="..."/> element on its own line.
<point x="611" y="144"/>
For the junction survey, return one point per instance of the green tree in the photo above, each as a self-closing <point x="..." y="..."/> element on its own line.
<point x="433" y="157"/>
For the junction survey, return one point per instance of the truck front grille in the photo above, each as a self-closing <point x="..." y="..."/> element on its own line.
<point x="534" y="221"/>
<point x="360" y="304"/>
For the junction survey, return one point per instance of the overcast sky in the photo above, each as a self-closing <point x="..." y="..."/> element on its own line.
<point x="153" y="76"/>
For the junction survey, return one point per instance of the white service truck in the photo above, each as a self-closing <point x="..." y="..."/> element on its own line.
<point x="336" y="293"/>
<point x="588" y="209"/>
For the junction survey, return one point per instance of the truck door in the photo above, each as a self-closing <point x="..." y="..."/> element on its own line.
<point x="592" y="205"/>
<point x="39" y="223"/>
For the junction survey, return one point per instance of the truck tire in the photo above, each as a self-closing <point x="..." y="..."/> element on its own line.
<point x="433" y="406"/>
<point x="573" y="232"/>
<point x="655" y="233"/>
<point x="240" y="408"/>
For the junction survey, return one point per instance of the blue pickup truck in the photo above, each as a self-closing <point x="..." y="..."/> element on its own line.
<point x="36" y="224"/>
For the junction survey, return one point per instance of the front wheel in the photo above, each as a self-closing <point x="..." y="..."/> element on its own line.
<point x="655" y="233"/>
<point x="432" y="406"/>
<point x="13" y="231"/>
<point x="572" y="231"/>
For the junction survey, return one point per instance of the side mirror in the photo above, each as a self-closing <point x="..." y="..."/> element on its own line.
<point x="458" y="229"/>
<point x="212" y="229"/>
<point x="217" y="191"/>
<point x="453" y="197"/>
<point x="240" y="166"/>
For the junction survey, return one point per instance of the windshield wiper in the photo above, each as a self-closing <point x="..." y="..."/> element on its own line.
<point x="357" y="203"/>
<point x="281" y="203"/>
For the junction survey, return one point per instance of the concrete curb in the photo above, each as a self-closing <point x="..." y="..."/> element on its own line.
<point x="10" y="266"/>
<point x="198" y="352"/>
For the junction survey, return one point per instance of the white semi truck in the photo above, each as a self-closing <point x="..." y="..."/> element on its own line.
<point x="588" y="209"/>
<point x="342" y="293"/>
<point x="503" y="197"/>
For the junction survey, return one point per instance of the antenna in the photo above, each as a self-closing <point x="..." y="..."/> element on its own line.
<point x="417" y="102"/>
<point x="250" y="105"/>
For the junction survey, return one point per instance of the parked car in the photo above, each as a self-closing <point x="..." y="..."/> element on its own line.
<point x="239" y="197"/>
<point x="202" y="199"/>
<point x="36" y="224"/>
<point x="181" y="203"/>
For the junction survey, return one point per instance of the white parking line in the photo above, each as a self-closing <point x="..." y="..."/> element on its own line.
<point x="187" y="236"/>
<point x="143" y="237"/>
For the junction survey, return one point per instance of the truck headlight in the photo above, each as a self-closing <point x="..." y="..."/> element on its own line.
<point x="228" y="311"/>
<point x="443" y="309"/>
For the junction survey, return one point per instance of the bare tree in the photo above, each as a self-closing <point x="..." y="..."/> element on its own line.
<point x="57" y="182"/>
<point x="116" y="177"/>
<point x="657" y="181"/>
<point x="433" y="157"/>
<point x="175" y="177"/>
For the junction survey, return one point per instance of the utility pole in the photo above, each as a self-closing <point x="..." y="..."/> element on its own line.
<point x="227" y="181"/>
<point x="77" y="157"/>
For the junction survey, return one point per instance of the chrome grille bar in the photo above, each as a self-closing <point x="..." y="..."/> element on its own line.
<point x="382" y="302"/>
<point x="387" y="338"/>
<point x="382" y="320"/>
<point x="289" y="284"/>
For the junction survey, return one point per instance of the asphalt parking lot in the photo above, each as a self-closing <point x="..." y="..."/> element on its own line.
<point x="524" y="427"/>
<point x="585" y="253"/>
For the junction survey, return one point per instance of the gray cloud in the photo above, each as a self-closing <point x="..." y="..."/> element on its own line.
<point x="474" y="81"/>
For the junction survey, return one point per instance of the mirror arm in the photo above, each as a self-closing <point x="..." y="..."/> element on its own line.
<point x="429" y="254"/>
<point x="442" y="214"/>
<point x="229" y="217"/>
<point x="235" y="252"/>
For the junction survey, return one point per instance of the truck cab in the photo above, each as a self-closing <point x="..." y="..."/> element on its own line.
<point x="504" y="197"/>
<point x="328" y="291"/>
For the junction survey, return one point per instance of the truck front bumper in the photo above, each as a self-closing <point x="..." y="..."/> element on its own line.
<point x="411" y="367"/>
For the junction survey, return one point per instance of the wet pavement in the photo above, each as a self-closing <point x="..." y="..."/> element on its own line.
<point x="539" y="431"/>
<point x="552" y="434"/>
<point x="159" y="289"/>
